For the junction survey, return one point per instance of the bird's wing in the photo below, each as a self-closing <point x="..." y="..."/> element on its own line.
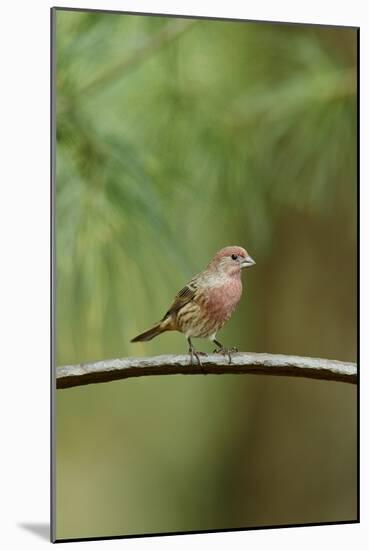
<point x="183" y="297"/>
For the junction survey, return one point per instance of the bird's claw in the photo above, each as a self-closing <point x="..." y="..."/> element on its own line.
<point x="226" y="351"/>
<point x="193" y="353"/>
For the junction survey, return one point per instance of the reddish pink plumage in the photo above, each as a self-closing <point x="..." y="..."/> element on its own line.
<point x="209" y="299"/>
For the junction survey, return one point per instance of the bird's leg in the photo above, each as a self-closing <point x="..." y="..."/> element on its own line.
<point x="224" y="351"/>
<point x="193" y="353"/>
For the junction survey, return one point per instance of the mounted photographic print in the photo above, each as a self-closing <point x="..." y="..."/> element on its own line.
<point x="204" y="260"/>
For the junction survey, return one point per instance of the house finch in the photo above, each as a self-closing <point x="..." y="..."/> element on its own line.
<point x="202" y="307"/>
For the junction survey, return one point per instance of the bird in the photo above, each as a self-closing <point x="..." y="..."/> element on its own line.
<point x="206" y="302"/>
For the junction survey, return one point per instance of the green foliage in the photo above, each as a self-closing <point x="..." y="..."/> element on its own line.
<point x="157" y="136"/>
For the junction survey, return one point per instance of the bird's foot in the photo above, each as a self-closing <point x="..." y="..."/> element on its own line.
<point x="193" y="353"/>
<point x="226" y="351"/>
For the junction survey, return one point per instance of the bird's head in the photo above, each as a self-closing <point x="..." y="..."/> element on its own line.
<point x="230" y="260"/>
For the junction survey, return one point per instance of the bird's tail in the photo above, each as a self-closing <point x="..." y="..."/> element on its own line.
<point x="151" y="333"/>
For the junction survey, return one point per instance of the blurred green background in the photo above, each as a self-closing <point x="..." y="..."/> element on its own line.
<point x="175" y="138"/>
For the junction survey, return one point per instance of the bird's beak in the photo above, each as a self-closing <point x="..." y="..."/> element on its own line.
<point x="247" y="262"/>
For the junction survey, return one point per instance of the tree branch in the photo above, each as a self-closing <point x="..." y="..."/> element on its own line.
<point x="242" y="363"/>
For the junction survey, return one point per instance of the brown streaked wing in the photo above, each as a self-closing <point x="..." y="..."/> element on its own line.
<point x="185" y="295"/>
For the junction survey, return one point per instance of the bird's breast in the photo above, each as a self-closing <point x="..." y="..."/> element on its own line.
<point x="221" y="300"/>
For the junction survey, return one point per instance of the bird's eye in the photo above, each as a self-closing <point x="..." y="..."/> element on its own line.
<point x="234" y="256"/>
